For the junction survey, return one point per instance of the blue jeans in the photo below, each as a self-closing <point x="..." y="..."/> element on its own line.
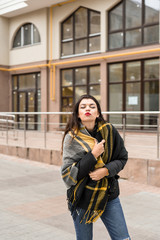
<point x="113" y="219"/>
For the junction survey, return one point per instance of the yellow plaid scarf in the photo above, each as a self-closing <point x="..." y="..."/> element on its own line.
<point x="94" y="193"/>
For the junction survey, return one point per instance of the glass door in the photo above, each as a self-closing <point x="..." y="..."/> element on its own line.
<point x="22" y="108"/>
<point x="31" y="119"/>
<point x="67" y="106"/>
<point x="26" y="97"/>
<point x="27" y="104"/>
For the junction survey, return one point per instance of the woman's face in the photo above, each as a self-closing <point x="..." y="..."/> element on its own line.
<point x="88" y="111"/>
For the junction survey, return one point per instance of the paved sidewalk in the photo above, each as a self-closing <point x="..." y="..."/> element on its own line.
<point x="33" y="205"/>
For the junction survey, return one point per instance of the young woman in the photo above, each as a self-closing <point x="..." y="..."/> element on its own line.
<point x="93" y="155"/>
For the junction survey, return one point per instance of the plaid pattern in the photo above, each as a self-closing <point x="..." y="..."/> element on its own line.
<point x="93" y="193"/>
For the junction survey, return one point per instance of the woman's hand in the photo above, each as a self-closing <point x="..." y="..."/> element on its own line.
<point x="99" y="173"/>
<point x="98" y="148"/>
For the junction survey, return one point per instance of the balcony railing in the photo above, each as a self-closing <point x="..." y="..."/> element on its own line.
<point x="16" y="130"/>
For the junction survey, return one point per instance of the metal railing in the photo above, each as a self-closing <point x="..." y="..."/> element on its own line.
<point x="6" y="120"/>
<point x="11" y="134"/>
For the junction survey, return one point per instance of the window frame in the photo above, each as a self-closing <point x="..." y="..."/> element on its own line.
<point x="18" y="91"/>
<point x="124" y="30"/>
<point x="124" y="82"/>
<point x="22" y="36"/>
<point x="88" y="84"/>
<point x="74" y="39"/>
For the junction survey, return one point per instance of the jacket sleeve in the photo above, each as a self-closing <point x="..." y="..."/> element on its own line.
<point x="76" y="164"/>
<point x="86" y="165"/>
<point x="119" y="155"/>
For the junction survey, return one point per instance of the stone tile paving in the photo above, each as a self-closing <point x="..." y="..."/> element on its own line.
<point x="33" y="204"/>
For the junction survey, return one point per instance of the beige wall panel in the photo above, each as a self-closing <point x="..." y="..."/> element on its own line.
<point x="61" y="13"/>
<point x="4" y="93"/>
<point x="54" y="105"/>
<point x="27" y="54"/>
<point x="103" y="86"/>
<point x="4" y="43"/>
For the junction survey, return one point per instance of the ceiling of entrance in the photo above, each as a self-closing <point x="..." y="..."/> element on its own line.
<point x="32" y="6"/>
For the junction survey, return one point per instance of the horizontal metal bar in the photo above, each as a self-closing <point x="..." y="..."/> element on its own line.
<point x="63" y="113"/>
<point x="5" y="120"/>
<point x="7" y="115"/>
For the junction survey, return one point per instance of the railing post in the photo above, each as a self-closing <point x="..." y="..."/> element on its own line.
<point x="124" y="128"/>
<point x="14" y="129"/>
<point x="24" y="130"/>
<point x="7" y="132"/>
<point x="45" y="130"/>
<point x="158" y="137"/>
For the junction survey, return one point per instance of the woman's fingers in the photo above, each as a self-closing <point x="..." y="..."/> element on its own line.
<point x="103" y="141"/>
<point x="98" y="148"/>
<point x="98" y="174"/>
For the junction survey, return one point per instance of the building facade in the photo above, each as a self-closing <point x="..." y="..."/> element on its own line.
<point x="107" y="48"/>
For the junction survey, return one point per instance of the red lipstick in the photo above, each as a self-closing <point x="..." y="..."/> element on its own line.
<point x="87" y="114"/>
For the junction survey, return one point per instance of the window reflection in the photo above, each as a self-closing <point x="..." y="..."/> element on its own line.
<point x="36" y="36"/>
<point x="116" y="40"/>
<point x="17" y="39"/>
<point x="95" y="91"/>
<point x="31" y="101"/>
<point x="27" y="81"/>
<point x="81" y="46"/>
<point x="115" y="72"/>
<point x="133" y="13"/>
<point x="15" y="102"/>
<point x="81" y="32"/>
<point x="67" y="48"/>
<point x="151" y="34"/>
<point x="39" y="81"/>
<point x="94" y="22"/>
<point x="133" y="71"/>
<point x="133" y="101"/>
<point x="26" y="97"/>
<point x="151" y="69"/>
<point x="67" y="29"/>
<point x="138" y="90"/>
<point x="67" y="91"/>
<point x="15" y="82"/>
<point x="79" y="91"/>
<point x="151" y="101"/>
<point x="133" y="38"/>
<point x="116" y="18"/>
<point x="133" y="23"/>
<point x="115" y="102"/>
<point x="26" y="35"/>
<point x="115" y="97"/>
<point x="67" y="77"/>
<point x="81" y="23"/>
<point x="30" y="122"/>
<point x="94" y="73"/>
<point x="76" y="82"/>
<point x="94" y="44"/>
<point x="80" y="76"/>
<point x="151" y="98"/>
<point x="152" y="11"/>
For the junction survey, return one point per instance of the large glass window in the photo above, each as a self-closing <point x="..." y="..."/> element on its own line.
<point x="151" y="89"/>
<point x="81" y="32"/>
<point x="134" y="86"/>
<point x="26" y="97"/>
<point x="26" y="35"/>
<point x="133" y="23"/>
<point x="76" y="82"/>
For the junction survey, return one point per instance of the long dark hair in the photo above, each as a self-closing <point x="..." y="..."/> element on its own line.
<point x="74" y="121"/>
